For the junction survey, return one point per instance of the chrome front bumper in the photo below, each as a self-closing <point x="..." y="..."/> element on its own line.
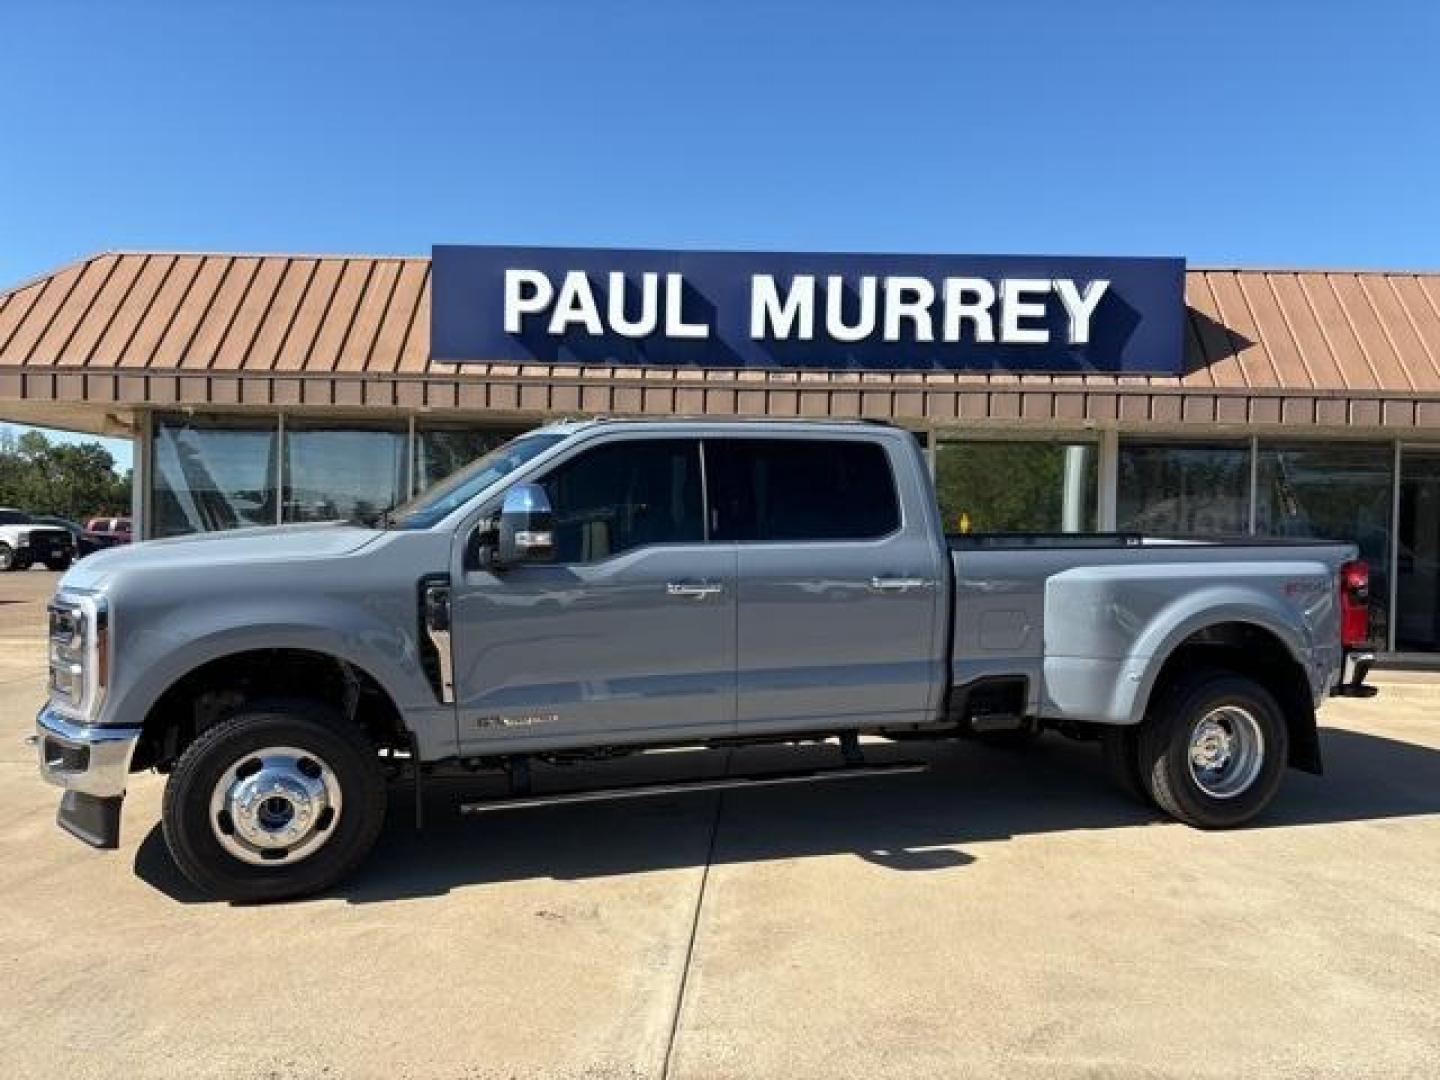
<point x="92" y="765"/>
<point x="89" y="760"/>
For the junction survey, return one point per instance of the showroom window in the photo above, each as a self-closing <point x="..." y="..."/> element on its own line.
<point x="1336" y="491"/>
<point x="219" y="472"/>
<point x="1417" y="569"/>
<point x="1183" y="488"/>
<point x="344" y="471"/>
<point x="1016" y="486"/>
<point x="212" y="473"/>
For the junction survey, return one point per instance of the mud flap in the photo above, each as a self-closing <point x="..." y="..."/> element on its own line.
<point x="1305" y="744"/>
<point x="91" y="818"/>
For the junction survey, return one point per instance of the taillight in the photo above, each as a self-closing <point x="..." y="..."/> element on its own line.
<point x="1354" y="603"/>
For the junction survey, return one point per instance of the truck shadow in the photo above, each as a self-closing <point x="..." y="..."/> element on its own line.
<point x="915" y="823"/>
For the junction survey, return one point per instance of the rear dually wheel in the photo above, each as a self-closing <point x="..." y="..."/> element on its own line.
<point x="1213" y="749"/>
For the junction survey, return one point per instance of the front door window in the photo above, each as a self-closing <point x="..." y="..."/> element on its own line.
<point x="624" y="495"/>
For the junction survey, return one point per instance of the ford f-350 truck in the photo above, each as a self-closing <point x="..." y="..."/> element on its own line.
<point x="608" y="586"/>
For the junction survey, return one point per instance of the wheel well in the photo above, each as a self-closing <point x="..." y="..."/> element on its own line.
<point x="1258" y="654"/>
<point x="216" y="689"/>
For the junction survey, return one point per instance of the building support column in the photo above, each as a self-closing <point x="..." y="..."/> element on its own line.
<point x="1108" y="479"/>
<point x="1392" y="556"/>
<point x="280" y="469"/>
<point x="1072" y="488"/>
<point x="1252" y="512"/>
<point x="412" y="454"/>
<point x="142" y="456"/>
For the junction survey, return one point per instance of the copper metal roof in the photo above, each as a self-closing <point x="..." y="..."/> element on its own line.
<point x="1353" y="348"/>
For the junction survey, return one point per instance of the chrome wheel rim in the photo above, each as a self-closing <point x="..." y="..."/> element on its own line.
<point x="1226" y="752"/>
<point x="276" y="806"/>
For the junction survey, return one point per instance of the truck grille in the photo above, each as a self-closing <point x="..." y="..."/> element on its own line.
<point x="45" y="540"/>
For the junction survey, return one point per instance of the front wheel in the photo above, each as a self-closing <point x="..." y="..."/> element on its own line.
<point x="7" y="557"/>
<point x="1212" y="750"/>
<point x="60" y="564"/>
<point x="278" y="801"/>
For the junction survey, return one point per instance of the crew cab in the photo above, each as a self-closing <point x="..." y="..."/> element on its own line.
<point x="607" y="587"/>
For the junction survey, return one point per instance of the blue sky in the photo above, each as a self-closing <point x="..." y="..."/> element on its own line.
<point x="1250" y="133"/>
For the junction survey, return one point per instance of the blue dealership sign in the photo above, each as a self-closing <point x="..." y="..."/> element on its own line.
<point x="811" y="310"/>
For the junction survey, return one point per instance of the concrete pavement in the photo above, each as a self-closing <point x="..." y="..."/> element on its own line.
<point x="1006" y="914"/>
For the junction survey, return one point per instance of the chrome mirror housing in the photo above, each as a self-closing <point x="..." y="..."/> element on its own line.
<point x="526" y="526"/>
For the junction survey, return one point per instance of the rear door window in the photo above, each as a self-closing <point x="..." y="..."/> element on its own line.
<point x="797" y="490"/>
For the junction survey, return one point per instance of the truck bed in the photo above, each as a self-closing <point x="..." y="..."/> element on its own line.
<point x="1079" y="616"/>
<point x="992" y="540"/>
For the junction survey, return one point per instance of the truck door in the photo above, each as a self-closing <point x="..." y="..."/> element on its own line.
<point x="628" y="632"/>
<point x="837" y="617"/>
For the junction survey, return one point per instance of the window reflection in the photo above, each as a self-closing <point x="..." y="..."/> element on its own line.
<point x="212" y="473"/>
<point x="344" y="472"/>
<point x="1335" y="491"/>
<point x="1168" y="488"/>
<point x="1016" y="486"/>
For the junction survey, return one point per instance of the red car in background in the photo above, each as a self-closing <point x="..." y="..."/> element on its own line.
<point x="104" y="532"/>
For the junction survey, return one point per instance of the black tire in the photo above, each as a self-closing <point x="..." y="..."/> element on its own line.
<point x="305" y="725"/>
<point x="1164" y="748"/>
<point x="58" y="565"/>
<point x="7" y="558"/>
<point x="1120" y="750"/>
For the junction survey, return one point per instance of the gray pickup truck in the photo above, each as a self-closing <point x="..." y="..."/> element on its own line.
<point x="610" y="586"/>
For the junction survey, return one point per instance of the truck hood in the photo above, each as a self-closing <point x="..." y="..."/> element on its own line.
<point x="287" y="543"/>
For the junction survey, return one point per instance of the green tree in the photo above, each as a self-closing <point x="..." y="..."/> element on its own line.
<point x="70" y="481"/>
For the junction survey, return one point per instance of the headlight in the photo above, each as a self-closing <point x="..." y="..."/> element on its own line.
<point x="79" y="653"/>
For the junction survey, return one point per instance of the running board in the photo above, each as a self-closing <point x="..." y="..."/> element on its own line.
<point x="679" y="787"/>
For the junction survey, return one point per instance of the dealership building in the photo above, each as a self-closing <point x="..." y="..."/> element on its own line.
<point x="1062" y="394"/>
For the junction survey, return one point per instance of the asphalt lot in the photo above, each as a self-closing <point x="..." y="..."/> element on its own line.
<point x="1006" y="914"/>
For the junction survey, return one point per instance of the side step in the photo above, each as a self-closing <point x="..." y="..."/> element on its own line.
<point x="676" y="787"/>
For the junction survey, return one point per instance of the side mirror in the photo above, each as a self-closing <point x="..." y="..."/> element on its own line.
<point x="526" y="533"/>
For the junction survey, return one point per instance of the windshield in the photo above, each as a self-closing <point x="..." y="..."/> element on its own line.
<point x="14" y="517"/>
<point x="460" y="487"/>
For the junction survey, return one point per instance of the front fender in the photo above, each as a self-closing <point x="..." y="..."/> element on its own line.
<point x="157" y="652"/>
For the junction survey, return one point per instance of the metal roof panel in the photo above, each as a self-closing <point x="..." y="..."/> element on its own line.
<point x="1247" y="331"/>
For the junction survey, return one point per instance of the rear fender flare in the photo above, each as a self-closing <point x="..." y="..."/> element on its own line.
<point x="1155" y="647"/>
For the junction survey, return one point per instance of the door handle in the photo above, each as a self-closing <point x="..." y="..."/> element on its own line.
<point x="898" y="584"/>
<point x="699" y="590"/>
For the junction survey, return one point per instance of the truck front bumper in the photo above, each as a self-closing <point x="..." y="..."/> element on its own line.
<point x="92" y="764"/>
